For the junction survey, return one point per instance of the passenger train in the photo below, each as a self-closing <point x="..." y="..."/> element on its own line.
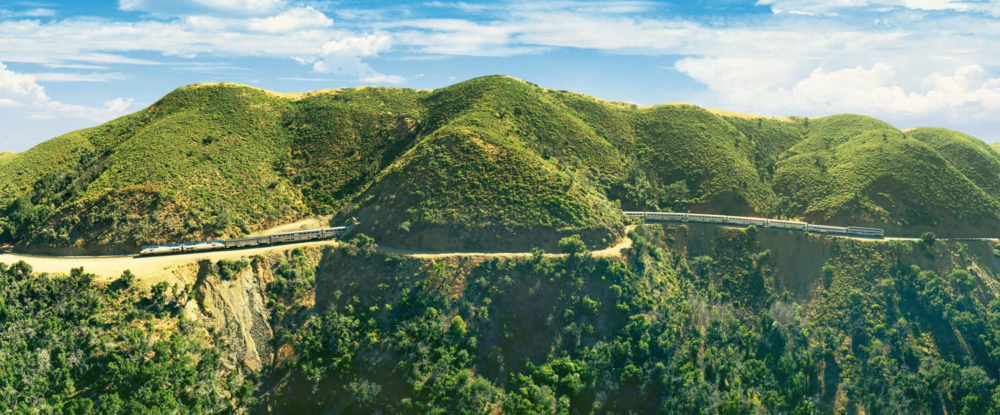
<point x="278" y="238"/>
<point x="760" y="222"/>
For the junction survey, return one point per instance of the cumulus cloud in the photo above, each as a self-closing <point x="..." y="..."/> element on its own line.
<point x="874" y="90"/>
<point x="302" y="33"/>
<point x="344" y="57"/>
<point x="22" y="92"/>
<point x="292" y="19"/>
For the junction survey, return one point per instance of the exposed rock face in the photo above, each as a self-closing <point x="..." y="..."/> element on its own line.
<point x="237" y="309"/>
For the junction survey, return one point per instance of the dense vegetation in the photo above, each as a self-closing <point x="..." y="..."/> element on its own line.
<point x="71" y="346"/>
<point x="667" y="330"/>
<point x="490" y="163"/>
<point x="699" y="320"/>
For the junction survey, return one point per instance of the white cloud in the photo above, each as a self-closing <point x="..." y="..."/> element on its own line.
<point x="344" y="57"/>
<point x="830" y="7"/>
<point x="9" y="103"/>
<point x="189" y="7"/>
<point x="78" y="77"/>
<point x="89" y="42"/>
<point x="22" y="93"/>
<point x="874" y="91"/>
<point x="292" y="19"/>
<point x="37" y="12"/>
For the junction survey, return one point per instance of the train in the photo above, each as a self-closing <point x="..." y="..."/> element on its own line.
<point x="278" y="238"/>
<point x="760" y="222"/>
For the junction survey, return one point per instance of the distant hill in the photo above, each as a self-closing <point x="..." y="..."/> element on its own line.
<point x="489" y="163"/>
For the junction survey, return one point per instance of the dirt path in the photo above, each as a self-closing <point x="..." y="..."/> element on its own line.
<point x="314" y="222"/>
<point x="612" y="251"/>
<point x="110" y="267"/>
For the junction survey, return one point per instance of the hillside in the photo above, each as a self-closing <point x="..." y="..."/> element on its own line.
<point x="488" y="164"/>
<point x="852" y="168"/>
<point x="688" y="320"/>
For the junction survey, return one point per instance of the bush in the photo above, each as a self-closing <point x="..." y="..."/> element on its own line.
<point x="229" y="268"/>
<point x="572" y="244"/>
<point x="928" y="238"/>
<point x="363" y="244"/>
<point x="127" y="279"/>
<point x="158" y="295"/>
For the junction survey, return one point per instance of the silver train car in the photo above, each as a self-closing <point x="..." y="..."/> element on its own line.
<point x="278" y="238"/>
<point x="760" y="222"/>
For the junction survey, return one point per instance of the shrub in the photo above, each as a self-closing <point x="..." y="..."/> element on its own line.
<point x="572" y="244"/>
<point x="458" y="326"/>
<point x="229" y="268"/>
<point x="127" y="279"/>
<point x="928" y="238"/>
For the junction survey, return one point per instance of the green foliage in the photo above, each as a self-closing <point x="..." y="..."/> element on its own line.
<point x="572" y="245"/>
<point x="854" y="169"/>
<point x="928" y="238"/>
<point x="660" y="331"/>
<point x="73" y="347"/>
<point x="492" y="163"/>
<point x="292" y="276"/>
<point x="127" y="279"/>
<point x="228" y="268"/>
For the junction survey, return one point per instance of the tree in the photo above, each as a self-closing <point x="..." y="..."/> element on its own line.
<point x="572" y="245"/>
<point x="928" y="238"/>
<point x="458" y="326"/>
<point x="158" y="294"/>
<point x="127" y="279"/>
<point x="364" y="244"/>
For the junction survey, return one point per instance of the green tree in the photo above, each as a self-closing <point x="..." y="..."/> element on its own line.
<point x="572" y="245"/>
<point x="928" y="238"/>
<point x="127" y="279"/>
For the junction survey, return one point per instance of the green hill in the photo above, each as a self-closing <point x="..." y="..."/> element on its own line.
<point x="489" y="163"/>
<point x="853" y="169"/>
<point x="974" y="158"/>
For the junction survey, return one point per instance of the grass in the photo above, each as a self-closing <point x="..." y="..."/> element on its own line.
<point x="22" y="170"/>
<point x="485" y="163"/>
<point x="974" y="158"/>
<point x="853" y="168"/>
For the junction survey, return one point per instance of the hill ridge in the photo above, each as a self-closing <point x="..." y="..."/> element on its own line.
<point x="483" y="163"/>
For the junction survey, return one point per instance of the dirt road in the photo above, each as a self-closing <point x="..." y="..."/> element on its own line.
<point x="111" y="267"/>
<point x="612" y="251"/>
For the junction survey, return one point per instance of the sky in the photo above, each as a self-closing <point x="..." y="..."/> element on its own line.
<point x="71" y="64"/>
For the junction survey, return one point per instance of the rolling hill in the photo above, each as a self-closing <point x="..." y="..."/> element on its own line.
<point x="490" y="163"/>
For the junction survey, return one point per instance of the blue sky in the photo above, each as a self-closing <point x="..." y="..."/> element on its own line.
<point x="66" y="65"/>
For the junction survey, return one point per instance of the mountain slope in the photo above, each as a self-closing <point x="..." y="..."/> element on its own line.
<point x="975" y="159"/>
<point x="488" y="163"/>
<point x="852" y="169"/>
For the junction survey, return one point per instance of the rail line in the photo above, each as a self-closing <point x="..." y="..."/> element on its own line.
<point x="750" y="221"/>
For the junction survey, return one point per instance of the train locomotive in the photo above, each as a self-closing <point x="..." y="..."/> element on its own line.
<point x="760" y="222"/>
<point x="278" y="238"/>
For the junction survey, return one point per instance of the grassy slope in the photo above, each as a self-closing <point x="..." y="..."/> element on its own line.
<point x="974" y="158"/>
<point x="472" y="164"/>
<point x="342" y="140"/>
<point x="502" y="168"/>
<point x="19" y="171"/>
<point x="853" y="169"/>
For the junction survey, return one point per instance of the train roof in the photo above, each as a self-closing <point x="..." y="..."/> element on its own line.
<point x="158" y="246"/>
<point x="864" y="229"/>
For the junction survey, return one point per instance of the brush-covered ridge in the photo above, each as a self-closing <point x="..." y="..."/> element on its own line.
<point x="489" y="163"/>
